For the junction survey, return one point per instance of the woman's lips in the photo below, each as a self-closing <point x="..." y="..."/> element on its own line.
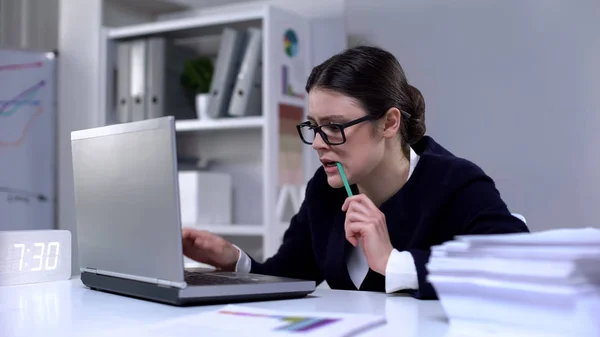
<point x="331" y="169"/>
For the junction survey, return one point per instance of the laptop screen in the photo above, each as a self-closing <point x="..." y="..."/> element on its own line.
<point x="126" y="199"/>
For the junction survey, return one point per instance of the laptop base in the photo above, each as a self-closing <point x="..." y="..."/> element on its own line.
<point x="169" y="295"/>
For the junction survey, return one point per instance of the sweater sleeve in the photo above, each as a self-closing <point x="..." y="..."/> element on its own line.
<point x="474" y="208"/>
<point x="295" y="257"/>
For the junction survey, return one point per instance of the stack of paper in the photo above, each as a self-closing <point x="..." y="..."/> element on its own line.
<point x="538" y="284"/>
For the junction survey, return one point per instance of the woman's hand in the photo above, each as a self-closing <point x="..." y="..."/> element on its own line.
<point x="365" y="221"/>
<point x="210" y="249"/>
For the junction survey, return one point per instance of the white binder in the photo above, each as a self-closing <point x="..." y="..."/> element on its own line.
<point x="137" y="84"/>
<point x="226" y="69"/>
<point x="246" y="99"/>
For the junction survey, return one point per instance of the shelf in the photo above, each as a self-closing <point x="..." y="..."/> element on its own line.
<point x="242" y="230"/>
<point x="192" y="26"/>
<point x="220" y="124"/>
<point x="247" y="148"/>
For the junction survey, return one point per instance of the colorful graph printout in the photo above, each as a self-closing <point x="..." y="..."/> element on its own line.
<point x="295" y="323"/>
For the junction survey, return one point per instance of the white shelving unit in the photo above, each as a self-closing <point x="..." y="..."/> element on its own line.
<point x="220" y="124"/>
<point x="247" y="147"/>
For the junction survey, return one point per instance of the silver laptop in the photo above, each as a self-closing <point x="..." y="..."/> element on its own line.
<point x="129" y="227"/>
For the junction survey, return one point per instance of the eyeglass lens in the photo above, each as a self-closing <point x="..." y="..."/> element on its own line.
<point x="333" y="133"/>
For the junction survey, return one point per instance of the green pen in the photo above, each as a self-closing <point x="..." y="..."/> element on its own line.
<point x="341" y="169"/>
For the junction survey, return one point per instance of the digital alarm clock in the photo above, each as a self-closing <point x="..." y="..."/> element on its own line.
<point x="33" y="256"/>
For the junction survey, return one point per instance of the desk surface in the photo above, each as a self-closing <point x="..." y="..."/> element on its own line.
<point x="68" y="308"/>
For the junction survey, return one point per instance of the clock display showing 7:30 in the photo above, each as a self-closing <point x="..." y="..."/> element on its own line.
<point x="32" y="256"/>
<point x="41" y="256"/>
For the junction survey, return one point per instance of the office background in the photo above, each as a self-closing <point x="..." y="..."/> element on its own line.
<point x="512" y="85"/>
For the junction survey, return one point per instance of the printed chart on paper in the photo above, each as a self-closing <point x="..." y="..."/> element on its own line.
<point x="246" y="321"/>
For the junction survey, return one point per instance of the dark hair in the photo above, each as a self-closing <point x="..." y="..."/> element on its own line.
<point x="376" y="80"/>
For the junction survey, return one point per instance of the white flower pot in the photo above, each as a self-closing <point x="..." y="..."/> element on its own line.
<point x="202" y="106"/>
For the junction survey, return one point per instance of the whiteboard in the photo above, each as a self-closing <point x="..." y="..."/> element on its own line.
<point x="27" y="140"/>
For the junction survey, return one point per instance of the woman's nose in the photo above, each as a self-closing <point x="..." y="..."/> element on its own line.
<point x="318" y="142"/>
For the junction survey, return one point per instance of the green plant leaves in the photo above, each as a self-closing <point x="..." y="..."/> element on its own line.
<point x="197" y="74"/>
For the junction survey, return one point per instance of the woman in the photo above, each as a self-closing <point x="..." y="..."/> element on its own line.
<point x="409" y="193"/>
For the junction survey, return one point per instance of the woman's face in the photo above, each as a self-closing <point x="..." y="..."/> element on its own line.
<point x="364" y="146"/>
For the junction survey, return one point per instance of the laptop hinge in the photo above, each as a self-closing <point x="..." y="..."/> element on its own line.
<point x="161" y="283"/>
<point x="165" y="283"/>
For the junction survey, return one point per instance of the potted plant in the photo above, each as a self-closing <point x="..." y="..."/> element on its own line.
<point x="196" y="77"/>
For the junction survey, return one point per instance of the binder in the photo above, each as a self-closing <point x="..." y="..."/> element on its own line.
<point x="155" y="102"/>
<point x="148" y="80"/>
<point x="123" y="108"/>
<point x="226" y="69"/>
<point x="246" y="99"/>
<point x="165" y="95"/>
<point x="137" y="85"/>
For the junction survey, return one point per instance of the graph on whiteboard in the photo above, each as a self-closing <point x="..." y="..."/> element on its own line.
<point x="27" y="140"/>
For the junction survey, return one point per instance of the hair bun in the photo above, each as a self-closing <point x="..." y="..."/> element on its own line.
<point x="416" y="123"/>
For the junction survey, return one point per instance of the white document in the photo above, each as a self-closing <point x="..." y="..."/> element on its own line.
<point x="562" y="236"/>
<point x="538" y="283"/>
<point x="236" y="320"/>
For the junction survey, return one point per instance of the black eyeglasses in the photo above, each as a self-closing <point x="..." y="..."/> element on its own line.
<point x="332" y="133"/>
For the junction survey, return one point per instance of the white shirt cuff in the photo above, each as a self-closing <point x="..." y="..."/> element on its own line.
<point x="400" y="272"/>
<point x="244" y="263"/>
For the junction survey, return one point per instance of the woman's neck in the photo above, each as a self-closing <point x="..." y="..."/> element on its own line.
<point x="386" y="179"/>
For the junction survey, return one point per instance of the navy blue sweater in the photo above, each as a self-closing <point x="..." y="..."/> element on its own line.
<point x="445" y="196"/>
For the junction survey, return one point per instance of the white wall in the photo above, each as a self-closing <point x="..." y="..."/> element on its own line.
<point x="29" y="24"/>
<point x="115" y="14"/>
<point x="512" y="85"/>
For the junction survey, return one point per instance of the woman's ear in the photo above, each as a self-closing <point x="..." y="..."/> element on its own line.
<point x="391" y="123"/>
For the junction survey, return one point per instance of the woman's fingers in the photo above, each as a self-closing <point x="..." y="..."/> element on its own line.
<point x="356" y="217"/>
<point x="206" y="247"/>
<point x="357" y="207"/>
<point x="352" y="239"/>
<point x="186" y="233"/>
<point x="353" y="231"/>
<point x="359" y="199"/>
<point x="203" y="242"/>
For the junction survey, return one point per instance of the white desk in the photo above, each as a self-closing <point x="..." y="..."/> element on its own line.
<point x="68" y="308"/>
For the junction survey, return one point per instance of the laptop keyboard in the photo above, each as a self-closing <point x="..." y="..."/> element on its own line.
<point x="196" y="278"/>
